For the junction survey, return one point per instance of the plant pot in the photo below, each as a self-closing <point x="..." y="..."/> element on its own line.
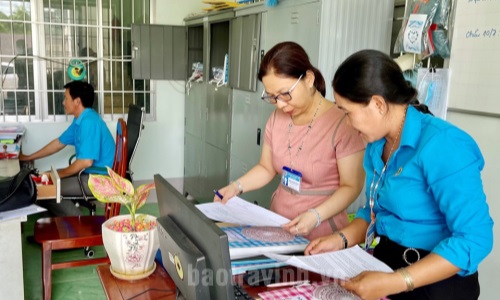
<point x="131" y="254"/>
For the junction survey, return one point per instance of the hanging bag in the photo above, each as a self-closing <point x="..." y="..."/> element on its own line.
<point x="17" y="191"/>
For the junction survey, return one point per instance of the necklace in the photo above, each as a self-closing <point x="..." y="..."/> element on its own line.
<point x="373" y="185"/>
<point x="307" y="132"/>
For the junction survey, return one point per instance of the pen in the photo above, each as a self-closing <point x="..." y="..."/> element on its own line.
<point x="218" y="194"/>
<point x="288" y="283"/>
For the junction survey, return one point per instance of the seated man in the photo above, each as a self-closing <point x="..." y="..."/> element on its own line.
<point x="93" y="142"/>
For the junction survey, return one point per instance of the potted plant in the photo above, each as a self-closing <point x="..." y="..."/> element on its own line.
<point x="131" y="241"/>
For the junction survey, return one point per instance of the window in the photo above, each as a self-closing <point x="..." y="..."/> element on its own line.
<point x="39" y="38"/>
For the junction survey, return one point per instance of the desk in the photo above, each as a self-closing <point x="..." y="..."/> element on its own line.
<point x="159" y="285"/>
<point x="11" y="259"/>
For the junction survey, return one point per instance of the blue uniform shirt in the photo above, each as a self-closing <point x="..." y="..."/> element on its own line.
<point x="91" y="138"/>
<point x="431" y="196"/>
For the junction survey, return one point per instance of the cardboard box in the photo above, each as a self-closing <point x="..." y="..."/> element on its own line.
<point x="50" y="191"/>
<point x="45" y="191"/>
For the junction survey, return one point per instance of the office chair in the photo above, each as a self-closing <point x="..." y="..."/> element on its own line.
<point x="74" y="232"/>
<point x="134" y="129"/>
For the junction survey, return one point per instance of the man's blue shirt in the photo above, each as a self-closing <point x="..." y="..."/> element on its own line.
<point x="91" y="138"/>
<point x="431" y="195"/>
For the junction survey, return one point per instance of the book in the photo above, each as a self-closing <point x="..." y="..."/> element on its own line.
<point x="240" y="266"/>
<point x="250" y="241"/>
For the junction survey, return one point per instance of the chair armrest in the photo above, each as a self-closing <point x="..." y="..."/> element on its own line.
<point x="71" y="158"/>
<point x="92" y="170"/>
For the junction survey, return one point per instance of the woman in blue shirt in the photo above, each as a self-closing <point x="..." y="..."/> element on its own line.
<point x="425" y="197"/>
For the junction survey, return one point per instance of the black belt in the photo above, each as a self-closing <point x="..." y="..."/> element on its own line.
<point x="409" y="255"/>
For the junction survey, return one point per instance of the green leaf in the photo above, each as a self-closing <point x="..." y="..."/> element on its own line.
<point x="142" y="193"/>
<point x="122" y="184"/>
<point x="102" y="187"/>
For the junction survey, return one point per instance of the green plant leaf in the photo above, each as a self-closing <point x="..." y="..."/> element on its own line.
<point x="122" y="184"/>
<point x="142" y="193"/>
<point x="102" y="187"/>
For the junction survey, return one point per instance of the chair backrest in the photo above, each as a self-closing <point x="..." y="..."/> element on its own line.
<point x="120" y="162"/>
<point x="134" y="127"/>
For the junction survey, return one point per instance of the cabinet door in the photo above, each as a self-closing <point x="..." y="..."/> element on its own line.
<point x="158" y="52"/>
<point x="250" y="45"/>
<point x="141" y="60"/>
<point x="218" y="116"/>
<point x="244" y="59"/>
<point x="216" y="172"/>
<point x="298" y="23"/>
<point x="235" y="52"/>
<point x="193" y="161"/>
<point x="195" y="109"/>
<point x="247" y="135"/>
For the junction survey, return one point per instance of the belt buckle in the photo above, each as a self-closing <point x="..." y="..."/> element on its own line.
<point x="405" y="253"/>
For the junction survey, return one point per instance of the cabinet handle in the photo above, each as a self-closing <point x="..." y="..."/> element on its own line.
<point x="135" y="49"/>
<point x="258" y="136"/>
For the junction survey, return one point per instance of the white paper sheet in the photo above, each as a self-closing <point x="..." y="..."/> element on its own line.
<point x="341" y="264"/>
<point x="241" y="212"/>
<point x="21" y="212"/>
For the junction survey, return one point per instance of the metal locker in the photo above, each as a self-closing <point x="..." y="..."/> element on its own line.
<point x="158" y="52"/>
<point x="218" y="116"/>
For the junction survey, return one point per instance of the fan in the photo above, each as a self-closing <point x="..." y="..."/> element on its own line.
<point x="76" y="69"/>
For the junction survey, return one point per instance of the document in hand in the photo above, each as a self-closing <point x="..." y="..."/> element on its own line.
<point x="250" y="241"/>
<point x="242" y="212"/>
<point x="341" y="264"/>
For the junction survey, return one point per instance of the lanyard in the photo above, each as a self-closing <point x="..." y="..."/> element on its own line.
<point x="309" y="127"/>
<point x="373" y="185"/>
<point x="373" y="190"/>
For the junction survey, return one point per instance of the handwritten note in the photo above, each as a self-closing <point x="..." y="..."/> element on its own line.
<point x="475" y="56"/>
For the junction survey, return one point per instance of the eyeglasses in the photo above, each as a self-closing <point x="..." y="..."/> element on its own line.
<point x="283" y="97"/>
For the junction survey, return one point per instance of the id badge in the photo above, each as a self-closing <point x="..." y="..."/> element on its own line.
<point x="291" y="179"/>
<point x="370" y="235"/>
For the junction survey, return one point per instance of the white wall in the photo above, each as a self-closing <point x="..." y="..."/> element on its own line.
<point x="486" y="132"/>
<point x="161" y="149"/>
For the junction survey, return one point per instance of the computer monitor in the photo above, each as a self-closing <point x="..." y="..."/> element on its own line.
<point x="205" y="236"/>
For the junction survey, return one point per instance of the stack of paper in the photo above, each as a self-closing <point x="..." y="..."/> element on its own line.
<point x="249" y="241"/>
<point x="241" y="212"/>
<point x="259" y="229"/>
<point x="342" y="264"/>
<point x="10" y="140"/>
<point x="219" y="5"/>
<point x="240" y="266"/>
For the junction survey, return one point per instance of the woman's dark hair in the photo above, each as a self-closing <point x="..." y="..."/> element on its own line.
<point x="81" y="89"/>
<point x="291" y="60"/>
<point x="371" y="72"/>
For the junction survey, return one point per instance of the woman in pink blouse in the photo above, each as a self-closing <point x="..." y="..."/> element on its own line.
<point x="309" y="143"/>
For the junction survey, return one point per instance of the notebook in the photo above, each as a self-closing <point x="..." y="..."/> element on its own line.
<point x="249" y="241"/>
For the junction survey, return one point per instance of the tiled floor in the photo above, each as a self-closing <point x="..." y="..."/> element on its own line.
<point x="68" y="284"/>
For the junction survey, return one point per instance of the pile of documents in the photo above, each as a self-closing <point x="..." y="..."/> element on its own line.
<point x="252" y="232"/>
<point x="243" y="248"/>
<point x="10" y="136"/>
<point x="220" y="5"/>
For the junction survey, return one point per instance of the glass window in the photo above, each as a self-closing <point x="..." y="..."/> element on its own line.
<point x="96" y="32"/>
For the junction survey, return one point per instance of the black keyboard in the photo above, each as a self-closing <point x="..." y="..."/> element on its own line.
<point x="240" y="293"/>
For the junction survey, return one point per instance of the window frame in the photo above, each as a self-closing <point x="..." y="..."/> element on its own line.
<point x="40" y="63"/>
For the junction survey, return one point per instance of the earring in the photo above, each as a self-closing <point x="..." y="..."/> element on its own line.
<point x="381" y="112"/>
